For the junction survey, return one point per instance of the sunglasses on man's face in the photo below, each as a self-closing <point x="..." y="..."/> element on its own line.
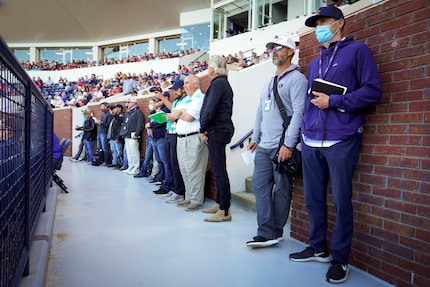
<point x="277" y="48"/>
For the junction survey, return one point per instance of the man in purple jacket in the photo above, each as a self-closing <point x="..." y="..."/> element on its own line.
<point x="332" y="135"/>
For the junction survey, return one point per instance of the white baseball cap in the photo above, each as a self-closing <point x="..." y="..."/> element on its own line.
<point x="286" y="42"/>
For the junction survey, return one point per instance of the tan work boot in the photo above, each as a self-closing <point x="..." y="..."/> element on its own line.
<point x="219" y="216"/>
<point x="213" y="209"/>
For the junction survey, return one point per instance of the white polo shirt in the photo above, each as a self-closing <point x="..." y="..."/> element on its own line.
<point x="192" y="105"/>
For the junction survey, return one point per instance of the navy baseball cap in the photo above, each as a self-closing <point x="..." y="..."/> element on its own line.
<point x="177" y="84"/>
<point x="324" y="12"/>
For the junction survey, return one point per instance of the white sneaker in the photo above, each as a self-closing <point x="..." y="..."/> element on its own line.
<point x="168" y="195"/>
<point x="175" y="198"/>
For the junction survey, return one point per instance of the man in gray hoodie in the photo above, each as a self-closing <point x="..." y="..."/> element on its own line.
<point x="273" y="190"/>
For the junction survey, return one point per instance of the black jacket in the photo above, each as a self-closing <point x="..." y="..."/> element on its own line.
<point x="90" y="130"/>
<point x="134" y="121"/>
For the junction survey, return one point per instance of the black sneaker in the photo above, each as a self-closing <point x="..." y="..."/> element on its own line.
<point x="260" y="242"/>
<point x="337" y="273"/>
<point x="310" y="254"/>
<point x="160" y="191"/>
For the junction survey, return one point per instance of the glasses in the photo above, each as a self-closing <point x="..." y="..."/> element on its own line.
<point x="277" y="48"/>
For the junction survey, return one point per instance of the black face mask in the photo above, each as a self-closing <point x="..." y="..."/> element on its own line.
<point x="104" y="110"/>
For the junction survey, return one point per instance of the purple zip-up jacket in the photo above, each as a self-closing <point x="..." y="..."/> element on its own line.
<point x="353" y="66"/>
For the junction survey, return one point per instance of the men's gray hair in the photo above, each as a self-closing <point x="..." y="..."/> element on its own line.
<point x="219" y="64"/>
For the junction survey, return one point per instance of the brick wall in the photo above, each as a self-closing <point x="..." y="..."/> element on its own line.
<point x="392" y="181"/>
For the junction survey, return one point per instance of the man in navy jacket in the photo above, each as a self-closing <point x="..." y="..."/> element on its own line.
<point x="332" y="135"/>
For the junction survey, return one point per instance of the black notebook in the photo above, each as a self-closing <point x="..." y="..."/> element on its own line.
<point x="326" y="87"/>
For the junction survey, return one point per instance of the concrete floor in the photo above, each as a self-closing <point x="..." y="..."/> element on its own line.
<point x="111" y="230"/>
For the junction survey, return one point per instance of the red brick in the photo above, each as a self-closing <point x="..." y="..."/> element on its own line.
<point x="373" y="179"/>
<point x="395" y="87"/>
<point x="369" y="31"/>
<point x="422" y="106"/>
<point x="422" y="14"/>
<point x="394" y="65"/>
<point x="400" y="206"/>
<point x="384" y="57"/>
<point x="369" y="219"/>
<point x="392" y="4"/>
<point x="368" y="240"/>
<point x="415" y="244"/>
<point x="425" y="163"/>
<point x="418" y="221"/>
<point x="386" y="234"/>
<point x="420" y="60"/>
<point x="423" y="259"/>
<point x="420" y="83"/>
<point x="389" y="171"/>
<point x="396" y="22"/>
<point x="367" y="14"/>
<point x="423" y="210"/>
<point x="405" y="140"/>
<point x="418" y="174"/>
<point x="410" y="29"/>
<point x="422" y="280"/>
<point x="410" y="51"/>
<point x="417" y="151"/>
<point x="393" y="129"/>
<point x="423" y="235"/>
<point x="387" y="213"/>
<point x="386" y="77"/>
<point x="420" y="38"/>
<point x="419" y="129"/>
<point x="353" y="27"/>
<point x="388" y="150"/>
<point x="374" y="159"/>
<point x="410" y="7"/>
<point x="378" y="253"/>
<point x="402" y="229"/>
<point x="409" y="74"/>
<point x="398" y="250"/>
<point x="403" y="183"/>
<point x="395" y="45"/>
<point x="404" y="162"/>
<point x="412" y="266"/>
<point x="416" y="197"/>
<point x="401" y="96"/>
<point x="427" y="118"/>
<point x="396" y="271"/>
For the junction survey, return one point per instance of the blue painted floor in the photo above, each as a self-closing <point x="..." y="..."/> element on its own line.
<point x="111" y="231"/>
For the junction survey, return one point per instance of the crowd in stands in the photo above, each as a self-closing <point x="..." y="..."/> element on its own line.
<point x="89" y="89"/>
<point x="47" y="65"/>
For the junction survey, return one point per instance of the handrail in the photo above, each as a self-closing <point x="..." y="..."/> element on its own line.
<point x="239" y="143"/>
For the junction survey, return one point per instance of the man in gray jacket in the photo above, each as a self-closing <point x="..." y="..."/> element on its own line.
<point x="273" y="190"/>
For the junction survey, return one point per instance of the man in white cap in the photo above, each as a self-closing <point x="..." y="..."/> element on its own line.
<point x="273" y="189"/>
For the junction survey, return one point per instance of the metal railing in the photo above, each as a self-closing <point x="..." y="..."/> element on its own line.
<point x="240" y="143"/>
<point x="26" y="124"/>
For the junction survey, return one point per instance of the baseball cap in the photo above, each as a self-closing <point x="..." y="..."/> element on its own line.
<point x="286" y="42"/>
<point x="132" y="100"/>
<point x="177" y="84"/>
<point x="325" y="12"/>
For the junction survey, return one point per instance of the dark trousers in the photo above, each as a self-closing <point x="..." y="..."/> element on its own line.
<point x="80" y="149"/>
<point x="337" y="162"/>
<point x="217" y="141"/>
<point x="172" y="161"/>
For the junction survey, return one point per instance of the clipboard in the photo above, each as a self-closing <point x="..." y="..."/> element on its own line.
<point x="158" y="117"/>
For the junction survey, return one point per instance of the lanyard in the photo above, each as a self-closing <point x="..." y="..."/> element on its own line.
<point x="329" y="62"/>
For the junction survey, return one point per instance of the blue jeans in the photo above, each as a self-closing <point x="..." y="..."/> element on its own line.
<point x="163" y="168"/>
<point x="273" y="191"/>
<point x="178" y="185"/>
<point x="318" y="164"/>
<point x="149" y="154"/>
<point x="102" y="143"/>
<point x="116" y="148"/>
<point x="89" y="150"/>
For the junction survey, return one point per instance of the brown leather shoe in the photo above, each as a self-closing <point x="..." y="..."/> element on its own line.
<point x="219" y="216"/>
<point x="213" y="209"/>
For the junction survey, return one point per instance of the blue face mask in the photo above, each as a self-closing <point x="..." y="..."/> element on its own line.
<point x="324" y="34"/>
